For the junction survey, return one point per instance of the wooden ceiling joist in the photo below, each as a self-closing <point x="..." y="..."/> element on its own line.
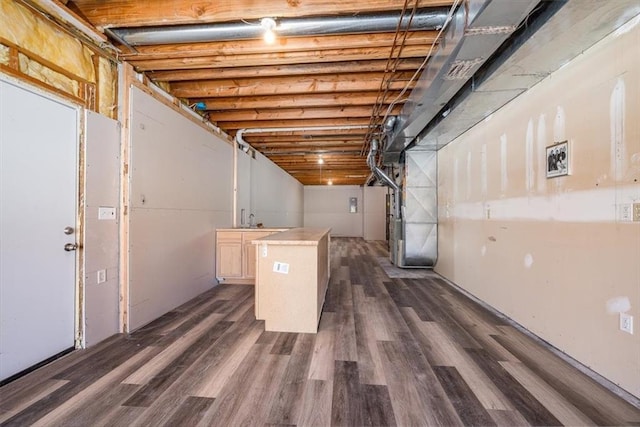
<point x="282" y="70"/>
<point x="271" y="59"/>
<point x="292" y="85"/>
<point x="286" y="101"/>
<point x="134" y="13"/>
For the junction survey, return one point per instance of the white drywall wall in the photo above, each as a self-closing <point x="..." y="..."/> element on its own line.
<point x="328" y="206"/>
<point x="181" y="191"/>
<point x="559" y="255"/>
<point x="276" y="197"/>
<point x="101" y="238"/>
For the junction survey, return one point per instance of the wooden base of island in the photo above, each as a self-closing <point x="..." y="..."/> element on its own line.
<point x="292" y="275"/>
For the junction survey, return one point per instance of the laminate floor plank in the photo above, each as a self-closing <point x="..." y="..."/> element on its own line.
<point x="190" y="412"/>
<point x="378" y="410"/>
<point x="466" y="404"/>
<point x="347" y="405"/>
<point x="321" y="365"/>
<point x="316" y="404"/>
<point x="369" y="363"/>
<point x="287" y="405"/>
<point x="389" y="351"/>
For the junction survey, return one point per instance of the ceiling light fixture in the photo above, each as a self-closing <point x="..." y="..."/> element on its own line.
<point x="269" y="25"/>
<point x="320" y="160"/>
<point x="330" y="182"/>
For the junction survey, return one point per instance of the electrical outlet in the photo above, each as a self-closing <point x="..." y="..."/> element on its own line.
<point x="626" y="323"/>
<point x="102" y="276"/>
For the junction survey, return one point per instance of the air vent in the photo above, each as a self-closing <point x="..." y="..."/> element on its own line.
<point x="462" y="70"/>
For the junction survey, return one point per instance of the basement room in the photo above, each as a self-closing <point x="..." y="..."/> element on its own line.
<point x="319" y="213"/>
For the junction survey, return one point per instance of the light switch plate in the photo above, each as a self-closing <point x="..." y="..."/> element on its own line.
<point x="106" y="213"/>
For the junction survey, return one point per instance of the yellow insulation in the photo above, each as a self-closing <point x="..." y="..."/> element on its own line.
<point x="108" y="90"/>
<point x="22" y="27"/>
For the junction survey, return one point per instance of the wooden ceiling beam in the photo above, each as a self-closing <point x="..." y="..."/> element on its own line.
<point x="250" y="124"/>
<point x="284" y="101"/>
<point x="134" y="13"/>
<point x="280" y="70"/>
<point x="287" y="85"/>
<point x="270" y="59"/>
<point x="305" y="134"/>
<point x="295" y="113"/>
<point x="289" y="44"/>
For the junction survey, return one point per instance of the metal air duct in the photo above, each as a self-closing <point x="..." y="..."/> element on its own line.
<point x="424" y="19"/>
<point x="474" y="33"/>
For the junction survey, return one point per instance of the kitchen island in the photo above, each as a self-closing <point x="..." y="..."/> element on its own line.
<point x="292" y="275"/>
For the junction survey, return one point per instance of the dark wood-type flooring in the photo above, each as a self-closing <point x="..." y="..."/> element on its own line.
<point x="406" y="352"/>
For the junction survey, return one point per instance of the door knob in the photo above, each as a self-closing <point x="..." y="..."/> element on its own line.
<point x="68" y="230"/>
<point x="70" y="247"/>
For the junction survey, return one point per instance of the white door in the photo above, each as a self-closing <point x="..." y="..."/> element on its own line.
<point x="38" y="198"/>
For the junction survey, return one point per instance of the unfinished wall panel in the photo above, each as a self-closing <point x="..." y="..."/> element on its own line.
<point x="101" y="245"/>
<point x="276" y="197"/>
<point x="327" y="206"/>
<point x="558" y="255"/>
<point x="181" y="191"/>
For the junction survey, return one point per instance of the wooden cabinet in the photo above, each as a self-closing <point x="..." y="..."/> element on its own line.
<point x="236" y="255"/>
<point x="293" y="275"/>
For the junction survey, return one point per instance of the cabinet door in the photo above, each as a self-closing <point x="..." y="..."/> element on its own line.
<point x="249" y="261"/>
<point x="229" y="259"/>
<point x="250" y="252"/>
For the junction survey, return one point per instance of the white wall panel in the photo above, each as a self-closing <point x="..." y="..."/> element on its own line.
<point x="181" y="191"/>
<point x="276" y="197"/>
<point x="101" y="240"/>
<point x="328" y="206"/>
<point x="559" y="257"/>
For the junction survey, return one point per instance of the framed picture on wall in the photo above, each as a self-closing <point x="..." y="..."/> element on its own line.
<point x="558" y="159"/>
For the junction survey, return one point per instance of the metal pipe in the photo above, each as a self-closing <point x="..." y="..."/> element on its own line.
<point x="424" y="19"/>
<point x="240" y="140"/>
<point x="384" y="178"/>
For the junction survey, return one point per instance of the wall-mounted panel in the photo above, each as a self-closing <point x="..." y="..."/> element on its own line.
<point x="181" y="191"/>
<point x="558" y="255"/>
<point x="101" y="242"/>
<point x="276" y="197"/>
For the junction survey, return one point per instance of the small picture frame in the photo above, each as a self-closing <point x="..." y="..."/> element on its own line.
<point x="558" y="159"/>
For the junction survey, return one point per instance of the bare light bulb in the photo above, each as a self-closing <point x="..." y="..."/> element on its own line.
<point x="269" y="25"/>
<point x="330" y="182"/>
<point x="320" y="161"/>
